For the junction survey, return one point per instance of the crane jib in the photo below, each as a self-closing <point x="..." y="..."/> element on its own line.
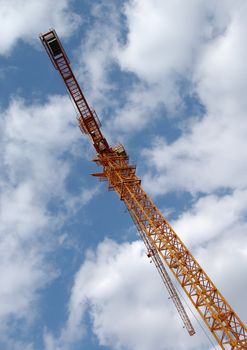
<point x="163" y="244"/>
<point x="87" y="118"/>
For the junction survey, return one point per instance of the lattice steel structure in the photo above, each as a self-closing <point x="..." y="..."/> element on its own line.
<point x="163" y="244"/>
<point x="153" y="253"/>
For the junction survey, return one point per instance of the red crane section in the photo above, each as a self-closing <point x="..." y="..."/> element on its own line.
<point x="88" y="120"/>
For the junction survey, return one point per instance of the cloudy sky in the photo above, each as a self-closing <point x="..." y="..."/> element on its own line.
<point x="167" y="78"/>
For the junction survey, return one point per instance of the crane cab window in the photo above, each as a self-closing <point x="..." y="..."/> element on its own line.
<point x="55" y="47"/>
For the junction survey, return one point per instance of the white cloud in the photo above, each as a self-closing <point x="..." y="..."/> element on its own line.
<point x="125" y="298"/>
<point x="15" y="345"/>
<point x="126" y="302"/>
<point x="163" y="44"/>
<point x="202" y="223"/>
<point x="163" y="37"/>
<point x="36" y="17"/>
<point x="215" y="231"/>
<point x="97" y="51"/>
<point x="210" y="152"/>
<point x="102" y="52"/>
<point x="34" y="140"/>
<point x="160" y="46"/>
<point x="220" y="75"/>
<point x="225" y="260"/>
<point x="208" y="156"/>
<point x="141" y="108"/>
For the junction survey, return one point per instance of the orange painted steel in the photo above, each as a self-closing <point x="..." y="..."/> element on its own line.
<point x="222" y="321"/>
<point x="153" y="253"/>
<point x="225" y="325"/>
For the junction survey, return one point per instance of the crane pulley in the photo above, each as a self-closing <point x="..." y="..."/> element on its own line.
<point x="163" y="244"/>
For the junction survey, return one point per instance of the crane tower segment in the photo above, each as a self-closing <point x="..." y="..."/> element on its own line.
<point x="164" y="245"/>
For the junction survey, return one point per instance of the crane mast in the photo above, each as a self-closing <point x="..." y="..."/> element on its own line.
<point x="163" y="244"/>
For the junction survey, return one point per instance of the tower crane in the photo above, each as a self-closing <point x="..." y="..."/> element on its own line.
<point x="163" y="244"/>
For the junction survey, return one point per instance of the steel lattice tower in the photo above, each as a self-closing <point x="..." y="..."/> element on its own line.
<point x="163" y="244"/>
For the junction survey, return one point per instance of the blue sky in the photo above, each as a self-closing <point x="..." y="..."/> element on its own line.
<point x="168" y="80"/>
